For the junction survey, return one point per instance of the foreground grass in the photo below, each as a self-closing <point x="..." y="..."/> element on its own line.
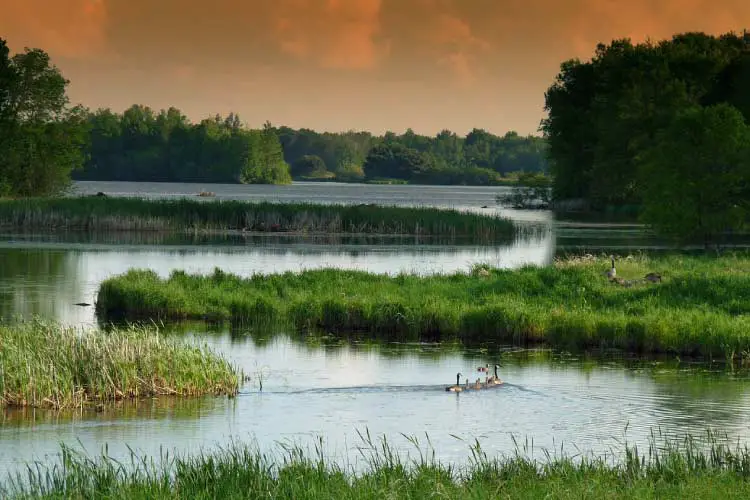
<point x="47" y="365"/>
<point x="701" y="308"/>
<point x="239" y="471"/>
<point x="108" y="214"/>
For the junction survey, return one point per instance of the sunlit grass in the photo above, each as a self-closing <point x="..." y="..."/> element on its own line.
<point x="44" y="364"/>
<point x="129" y="214"/>
<point x="673" y="469"/>
<point x="700" y="308"/>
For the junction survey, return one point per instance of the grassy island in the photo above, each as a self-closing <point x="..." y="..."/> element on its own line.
<point x="701" y="306"/>
<point x="241" y="471"/>
<point x="135" y="214"/>
<point x="49" y="366"/>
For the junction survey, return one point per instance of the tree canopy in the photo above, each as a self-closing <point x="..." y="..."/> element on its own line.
<point x="42" y="138"/>
<point x="602" y="113"/>
<point x="143" y="145"/>
<point x="656" y="126"/>
<point x="695" y="177"/>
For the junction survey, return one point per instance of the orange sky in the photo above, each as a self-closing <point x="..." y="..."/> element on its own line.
<point x="341" y="64"/>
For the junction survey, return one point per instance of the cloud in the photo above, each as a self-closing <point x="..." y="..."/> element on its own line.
<point x="65" y="28"/>
<point x="336" y="34"/>
<point x="378" y="64"/>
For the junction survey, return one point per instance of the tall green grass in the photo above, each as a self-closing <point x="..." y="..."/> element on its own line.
<point x="120" y="214"/>
<point x="701" y="308"/>
<point x="44" y="364"/>
<point x="671" y="470"/>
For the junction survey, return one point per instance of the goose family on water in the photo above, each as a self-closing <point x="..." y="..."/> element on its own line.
<point x="489" y="381"/>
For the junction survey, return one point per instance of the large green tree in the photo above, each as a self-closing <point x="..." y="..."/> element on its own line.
<point x="264" y="162"/>
<point x="695" y="176"/>
<point x="396" y="161"/>
<point x="604" y="112"/>
<point x="42" y="139"/>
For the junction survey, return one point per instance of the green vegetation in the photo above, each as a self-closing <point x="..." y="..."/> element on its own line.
<point x="531" y="190"/>
<point x="42" y="139"/>
<point x="700" y="308"/>
<point x="140" y="145"/>
<point x="672" y="470"/>
<point x="710" y="146"/>
<point x="105" y="213"/>
<point x="624" y="126"/>
<point x="143" y="145"/>
<point x="47" y="365"/>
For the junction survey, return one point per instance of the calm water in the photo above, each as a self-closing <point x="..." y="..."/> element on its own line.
<point x="312" y="389"/>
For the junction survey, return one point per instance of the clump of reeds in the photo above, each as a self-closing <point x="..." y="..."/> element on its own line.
<point x="44" y="364"/>
<point x="671" y="470"/>
<point x="701" y="307"/>
<point x="122" y="214"/>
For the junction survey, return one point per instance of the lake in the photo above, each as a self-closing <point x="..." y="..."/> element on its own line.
<point x="314" y="388"/>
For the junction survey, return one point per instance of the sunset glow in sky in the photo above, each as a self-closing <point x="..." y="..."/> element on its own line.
<point x="341" y="64"/>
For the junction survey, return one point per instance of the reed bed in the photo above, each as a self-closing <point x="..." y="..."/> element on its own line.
<point x="700" y="308"/>
<point x="135" y="214"/>
<point x="44" y="364"/>
<point x="674" y="470"/>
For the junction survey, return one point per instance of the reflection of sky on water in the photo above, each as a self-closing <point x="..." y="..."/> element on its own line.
<point x="48" y="278"/>
<point x="310" y="391"/>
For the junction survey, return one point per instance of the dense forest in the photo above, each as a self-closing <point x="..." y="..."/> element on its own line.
<point x="659" y="129"/>
<point x="143" y="145"/>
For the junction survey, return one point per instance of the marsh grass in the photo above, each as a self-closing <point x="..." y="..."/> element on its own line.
<point x="668" y="469"/>
<point x="700" y="308"/>
<point x="44" y="364"/>
<point x="134" y="214"/>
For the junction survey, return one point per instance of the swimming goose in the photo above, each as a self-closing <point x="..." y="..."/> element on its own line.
<point x="457" y="387"/>
<point x="478" y="385"/>
<point x="495" y="379"/>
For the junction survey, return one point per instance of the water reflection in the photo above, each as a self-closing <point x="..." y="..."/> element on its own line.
<point x="37" y="282"/>
<point x="48" y="274"/>
<point x="334" y="390"/>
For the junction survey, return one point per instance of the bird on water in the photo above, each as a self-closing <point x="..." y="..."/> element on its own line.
<point x="495" y="379"/>
<point x="457" y="387"/>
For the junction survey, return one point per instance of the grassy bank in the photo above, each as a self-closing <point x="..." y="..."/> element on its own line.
<point x="701" y="307"/>
<point x="47" y="365"/>
<point x="128" y="214"/>
<point x="239" y="471"/>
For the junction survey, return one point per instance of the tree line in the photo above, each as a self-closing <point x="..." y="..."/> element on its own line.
<point x="657" y="128"/>
<point x="143" y="145"/>
<point x="45" y="142"/>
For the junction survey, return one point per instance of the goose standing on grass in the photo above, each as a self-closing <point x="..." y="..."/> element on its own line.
<point x="611" y="273"/>
<point x="495" y="379"/>
<point x="457" y="387"/>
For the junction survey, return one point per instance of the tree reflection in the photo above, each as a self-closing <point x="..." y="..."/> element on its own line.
<point x="38" y="282"/>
